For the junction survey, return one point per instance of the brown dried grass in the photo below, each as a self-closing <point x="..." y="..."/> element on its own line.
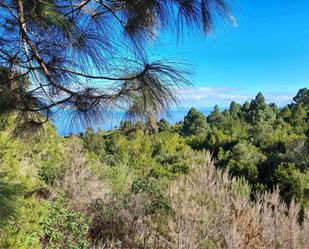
<point x="209" y="213"/>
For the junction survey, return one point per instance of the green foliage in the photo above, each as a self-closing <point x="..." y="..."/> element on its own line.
<point x="163" y="154"/>
<point x="214" y="118"/>
<point x="241" y="187"/>
<point x="256" y="139"/>
<point x="194" y="123"/>
<point x="24" y="230"/>
<point x="289" y="180"/>
<point x="153" y="195"/>
<point x="27" y="171"/>
<point x="164" y="125"/>
<point x="244" y="161"/>
<point x="8" y="195"/>
<point x="302" y="97"/>
<point x="64" y="227"/>
<point x="297" y="152"/>
<point x="286" y="113"/>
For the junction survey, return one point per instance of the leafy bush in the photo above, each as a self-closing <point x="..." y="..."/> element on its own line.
<point x="154" y="199"/>
<point x="64" y="227"/>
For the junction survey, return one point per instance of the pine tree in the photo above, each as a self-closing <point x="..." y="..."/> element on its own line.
<point x="285" y="113"/>
<point x="194" y="123"/>
<point x="89" y="57"/>
<point x="302" y="97"/>
<point x="235" y="109"/>
<point x="215" y="116"/>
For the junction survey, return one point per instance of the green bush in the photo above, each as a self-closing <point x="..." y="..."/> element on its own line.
<point x="64" y="227"/>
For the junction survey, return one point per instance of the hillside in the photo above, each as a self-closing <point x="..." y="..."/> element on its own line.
<point x="206" y="182"/>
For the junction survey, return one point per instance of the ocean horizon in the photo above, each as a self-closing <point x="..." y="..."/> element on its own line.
<point x="64" y="127"/>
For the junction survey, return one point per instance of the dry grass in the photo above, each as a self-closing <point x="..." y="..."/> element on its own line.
<point x="209" y="213"/>
<point x="79" y="182"/>
<point x="121" y="223"/>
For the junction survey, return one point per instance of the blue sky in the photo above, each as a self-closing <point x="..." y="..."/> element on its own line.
<point x="266" y="50"/>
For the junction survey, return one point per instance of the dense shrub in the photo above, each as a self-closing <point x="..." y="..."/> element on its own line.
<point x="260" y="142"/>
<point x="64" y="227"/>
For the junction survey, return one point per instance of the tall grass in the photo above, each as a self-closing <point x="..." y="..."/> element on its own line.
<point x="209" y="211"/>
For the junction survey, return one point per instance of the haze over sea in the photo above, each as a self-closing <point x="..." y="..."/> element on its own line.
<point x="64" y="127"/>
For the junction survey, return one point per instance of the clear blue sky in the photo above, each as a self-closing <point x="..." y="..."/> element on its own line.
<point x="268" y="51"/>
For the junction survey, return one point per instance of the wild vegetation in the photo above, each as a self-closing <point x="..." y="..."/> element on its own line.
<point x="232" y="179"/>
<point x="266" y="145"/>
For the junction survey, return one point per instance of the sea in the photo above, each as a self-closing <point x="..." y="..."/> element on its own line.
<point x="65" y="126"/>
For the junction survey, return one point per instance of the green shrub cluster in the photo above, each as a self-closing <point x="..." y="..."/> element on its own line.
<point x="261" y="142"/>
<point x="43" y="205"/>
